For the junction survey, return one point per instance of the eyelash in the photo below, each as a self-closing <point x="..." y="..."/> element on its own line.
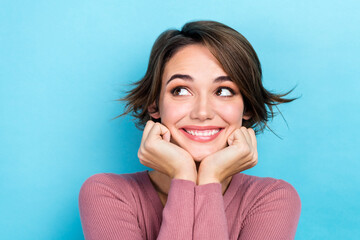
<point x="181" y="87"/>
<point x="227" y="88"/>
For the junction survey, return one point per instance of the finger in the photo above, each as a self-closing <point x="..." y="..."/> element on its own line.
<point x="254" y="143"/>
<point x="253" y="137"/>
<point x="243" y="139"/>
<point x="148" y="126"/>
<point x="231" y="138"/>
<point x="166" y="136"/>
<point x="159" y="131"/>
<point x="236" y="137"/>
<point x="244" y="130"/>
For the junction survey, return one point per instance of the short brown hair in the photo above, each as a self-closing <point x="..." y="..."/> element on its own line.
<point x="237" y="57"/>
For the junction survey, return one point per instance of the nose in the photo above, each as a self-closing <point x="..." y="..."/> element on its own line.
<point x="202" y="109"/>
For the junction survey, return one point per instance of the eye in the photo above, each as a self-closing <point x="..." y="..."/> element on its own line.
<point x="225" y="92"/>
<point x="180" y="91"/>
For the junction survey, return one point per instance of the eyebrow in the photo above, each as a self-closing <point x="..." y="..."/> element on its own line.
<point x="189" y="78"/>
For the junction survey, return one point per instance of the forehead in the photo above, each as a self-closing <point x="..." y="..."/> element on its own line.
<point x="195" y="60"/>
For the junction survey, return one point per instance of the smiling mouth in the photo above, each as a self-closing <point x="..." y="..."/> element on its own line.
<point x="201" y="134"/>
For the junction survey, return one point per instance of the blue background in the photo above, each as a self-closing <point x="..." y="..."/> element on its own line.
<point x="63" y="63"/>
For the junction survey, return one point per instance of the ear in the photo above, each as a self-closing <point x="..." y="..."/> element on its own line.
<point x="246" y="116"/>
<point x="152" y="111"/>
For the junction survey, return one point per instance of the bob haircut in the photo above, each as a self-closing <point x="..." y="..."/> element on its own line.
<point x="234" y="53"/>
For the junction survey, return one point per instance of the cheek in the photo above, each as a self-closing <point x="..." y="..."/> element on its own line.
<point x="231" y="113"/>
<point x="171" y="112"/>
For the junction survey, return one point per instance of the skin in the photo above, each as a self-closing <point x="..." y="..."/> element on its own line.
<point x="194" y="97"/>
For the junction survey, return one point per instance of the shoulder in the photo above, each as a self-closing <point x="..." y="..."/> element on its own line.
<point x="112" y="178"/>
<point x="269" y="204"/>
<point x="266" y="189"/>
<point x="108" y="180"/>
<point x="108" y="206"/>
<point x="265" y="184"/>
<point x="120" y="186"/>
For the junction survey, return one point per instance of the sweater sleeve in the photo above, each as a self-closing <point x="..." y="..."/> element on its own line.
<point x="210" y="218"/>
<point x="108" y="211"/>
<point x="274" y="214"/>
<point x="178" y="213"/>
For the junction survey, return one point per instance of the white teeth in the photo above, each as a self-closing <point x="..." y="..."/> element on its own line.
<point x="202" y="133"/>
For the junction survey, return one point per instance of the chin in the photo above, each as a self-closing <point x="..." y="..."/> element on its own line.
<point x="199" y="156"/>
<point x="199" y="152"/>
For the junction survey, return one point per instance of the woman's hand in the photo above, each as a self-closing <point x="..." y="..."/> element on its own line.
<point x="241" y="154"/>
<point x="157" y="152"/>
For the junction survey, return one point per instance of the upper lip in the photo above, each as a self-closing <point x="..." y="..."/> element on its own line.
<point x="192" y="127"/>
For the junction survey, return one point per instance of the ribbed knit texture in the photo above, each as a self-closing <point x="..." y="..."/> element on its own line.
<point x="127" y="206"/>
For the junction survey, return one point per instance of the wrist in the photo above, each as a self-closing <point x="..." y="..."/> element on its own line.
<point x="207" y="180"/>
<point x="207" y="174"/>
<point x="188" y="173"/>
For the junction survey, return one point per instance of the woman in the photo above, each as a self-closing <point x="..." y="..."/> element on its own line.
<point x="200" y="99"/>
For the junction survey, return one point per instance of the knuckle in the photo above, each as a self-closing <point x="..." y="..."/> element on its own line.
<point x="253" y="163"/>
<point x="246" y="149"/>
<point x="140" y="154"/>
<point x="149" y="122"/>
<point x="147" y="145"/>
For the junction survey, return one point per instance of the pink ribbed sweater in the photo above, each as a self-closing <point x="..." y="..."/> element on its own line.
<point x="127" y="206"/>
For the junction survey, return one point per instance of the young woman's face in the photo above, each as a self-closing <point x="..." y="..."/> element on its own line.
<point x="199" y="104"/>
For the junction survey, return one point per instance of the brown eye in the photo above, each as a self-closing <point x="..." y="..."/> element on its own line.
<point x="180" y="91"/>
<point x="225" y="92"/>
